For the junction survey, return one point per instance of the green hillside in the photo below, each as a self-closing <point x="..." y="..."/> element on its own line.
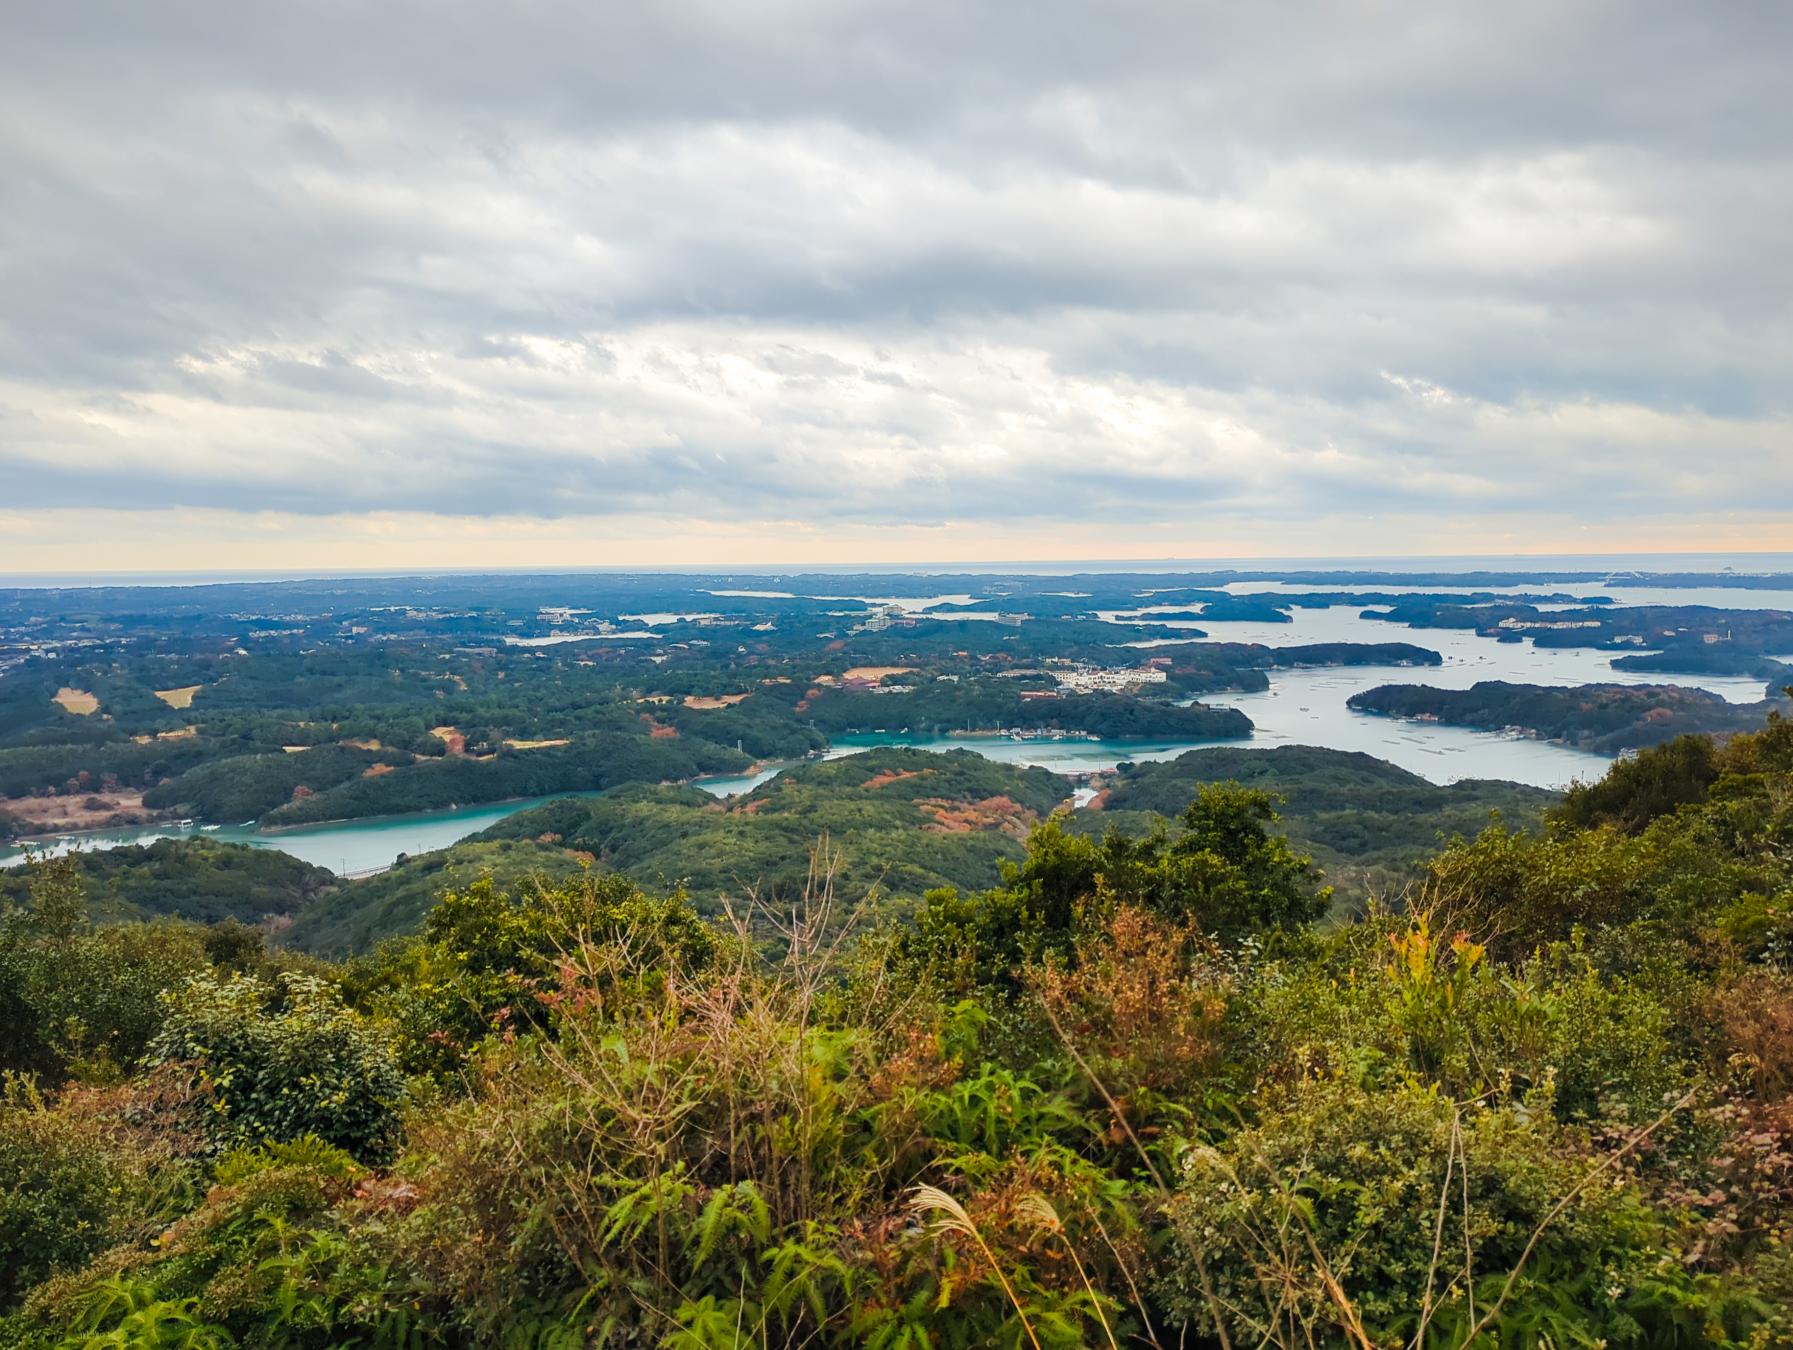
<point x="1364" y="820"/>
<point x="903" y="821"/>
<point x="195" y="879"/>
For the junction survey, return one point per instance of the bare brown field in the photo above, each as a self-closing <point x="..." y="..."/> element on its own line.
<point x="873" y="674"/>
<point x="86" y="811"/>
<point x="78" y="701"/>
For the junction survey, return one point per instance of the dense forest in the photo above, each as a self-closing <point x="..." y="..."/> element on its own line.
<point x="1148" y="1086"/>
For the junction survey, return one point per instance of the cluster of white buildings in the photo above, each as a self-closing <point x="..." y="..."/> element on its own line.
<point x="1098" y="680"/>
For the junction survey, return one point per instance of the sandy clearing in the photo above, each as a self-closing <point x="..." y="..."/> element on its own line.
<point x="78" y="701"/>
<point x="47" y="815"/>
<point x="452" y="738"/>
<point x="875" y="673"/>
<point x="716" y="701"/>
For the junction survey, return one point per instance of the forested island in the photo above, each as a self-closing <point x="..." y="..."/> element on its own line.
<point x="1691" y="639"/>
<point x="1602" y="717"/>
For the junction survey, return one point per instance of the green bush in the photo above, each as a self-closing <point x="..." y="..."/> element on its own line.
<point x="1223" y="871"/>
<point x="1392" y="1207"/>
<point x="281" y="1064"/>
<point x="489" y="958"/>
<point x="61" y="1191"/>
<point x="79" y="999"/>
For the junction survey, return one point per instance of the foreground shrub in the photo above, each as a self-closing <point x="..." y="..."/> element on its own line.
<point x="61" y="1191"/>
<point x="281" y="1064"/>
<point x="488" y="960"/>
<point x="78" y="999"/>
<point x="1141" y="1008"/>
<point x="1347" y="1213"/>
<point x="1224" y="872"/>
<point x="270" y="1258"/>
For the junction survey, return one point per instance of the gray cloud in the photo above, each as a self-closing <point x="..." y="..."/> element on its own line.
<point x="891" y="263"/>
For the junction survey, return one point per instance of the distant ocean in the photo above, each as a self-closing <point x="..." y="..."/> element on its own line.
<point x="1559" y="562"/>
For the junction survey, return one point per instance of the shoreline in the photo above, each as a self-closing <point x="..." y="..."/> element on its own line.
<point x="197" y="825"/>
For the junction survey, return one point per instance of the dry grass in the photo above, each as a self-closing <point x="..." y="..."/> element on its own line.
<point x="713" y="701"/>
<point x="873" y="674"/>
<point x="536" y="745"/>
<point x="452" y="738"/>
<point x="179" y="734"/>
<point x="77" y="701"/>
<point x="179" y="698"/>
<point x="45" y="815"/>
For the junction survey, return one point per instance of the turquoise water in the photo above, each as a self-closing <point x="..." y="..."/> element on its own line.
<point x="352" y="845"/>
<point x="734" y="784"/>
<point x="1060" y="756"/>
<point x="346" y="846"/>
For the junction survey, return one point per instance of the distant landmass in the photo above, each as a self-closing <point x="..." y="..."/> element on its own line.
<point x="1608" y="718"/>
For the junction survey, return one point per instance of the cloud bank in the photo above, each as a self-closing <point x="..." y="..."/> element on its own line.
<point x="1189" y="273"/>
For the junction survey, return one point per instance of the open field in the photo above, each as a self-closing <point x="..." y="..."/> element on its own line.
<point x="91" y="811"/>
<point x="77" y="701"/>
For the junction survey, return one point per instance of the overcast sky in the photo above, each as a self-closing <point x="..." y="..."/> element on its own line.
<point x="373" y="284"/>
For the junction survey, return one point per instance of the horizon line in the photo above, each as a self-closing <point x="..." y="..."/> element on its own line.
<point x="1324" y="562"/>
